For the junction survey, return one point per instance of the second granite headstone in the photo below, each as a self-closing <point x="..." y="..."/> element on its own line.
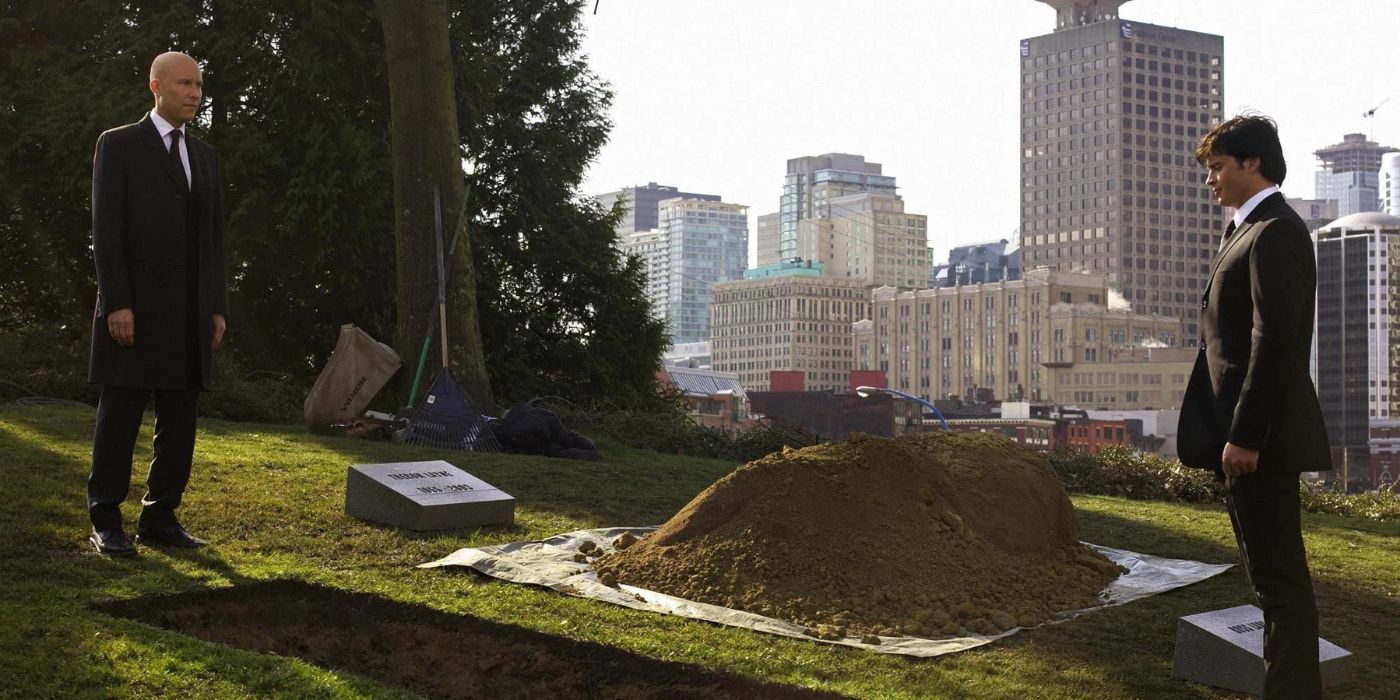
<point x="1225" y="648"/>
<point x="424" y="496"/>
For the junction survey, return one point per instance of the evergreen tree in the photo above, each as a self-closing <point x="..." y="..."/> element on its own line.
<point x="298" y="106"/>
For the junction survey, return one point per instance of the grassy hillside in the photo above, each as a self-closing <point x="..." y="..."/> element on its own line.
<point x="271" y="500"/>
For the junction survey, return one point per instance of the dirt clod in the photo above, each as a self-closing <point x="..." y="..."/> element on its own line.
<point x="930" y="535"/>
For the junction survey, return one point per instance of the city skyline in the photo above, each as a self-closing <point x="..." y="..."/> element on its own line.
<point x="734" y="90"/>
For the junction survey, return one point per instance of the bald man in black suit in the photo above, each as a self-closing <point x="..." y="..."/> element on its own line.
<point x="157" y="237"/>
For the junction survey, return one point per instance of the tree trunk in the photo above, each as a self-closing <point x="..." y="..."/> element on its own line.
<point x="427" y="152"/>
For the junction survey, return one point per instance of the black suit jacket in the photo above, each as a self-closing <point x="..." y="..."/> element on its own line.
<point x="141" y="227"/>
<point x="1250" y="384"/>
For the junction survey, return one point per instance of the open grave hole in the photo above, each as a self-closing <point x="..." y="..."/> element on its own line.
<point x="426" y="651"/>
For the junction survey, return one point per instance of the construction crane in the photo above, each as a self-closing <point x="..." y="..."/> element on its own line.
<point x="1370" y="114"/>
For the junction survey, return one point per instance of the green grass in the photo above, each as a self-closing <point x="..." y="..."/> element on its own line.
<point x="271" y="499"/>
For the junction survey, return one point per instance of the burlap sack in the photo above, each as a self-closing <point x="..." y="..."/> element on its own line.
<point x="357" y="370"/>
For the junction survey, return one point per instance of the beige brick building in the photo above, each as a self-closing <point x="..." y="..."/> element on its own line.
<point x="789" y="322"/>
<point x="1132" y="379"/>
<point x="999" y="340"/>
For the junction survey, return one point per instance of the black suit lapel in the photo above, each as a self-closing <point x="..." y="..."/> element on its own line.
<point x="1261" y="210"/>
<point x="157" y="148"/>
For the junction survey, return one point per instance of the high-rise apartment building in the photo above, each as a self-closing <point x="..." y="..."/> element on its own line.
<point x="788" y="322"/>
<point x="1355" y="363"/>
<point x="768" y="253"/>
<point x="1389" y="182"/>
<point x="842" y="212"/>
<point x="643" y="205"/>
<point x="697" y="244"/>
<point x="1000" y="340"/>
<point x="1111" y="112"/>
<point x="810" y="185"/>
<point x="1350" y="173"/>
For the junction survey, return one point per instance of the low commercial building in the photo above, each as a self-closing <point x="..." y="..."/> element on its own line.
<point x="714" y="399"/>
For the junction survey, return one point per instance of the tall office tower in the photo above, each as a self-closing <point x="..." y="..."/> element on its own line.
<point x="808" y="188"/>
<point x="1111" y="112"/>
<point x="1389" y="182"/>
<point x="1350" y="172"/>
<point x="698" y="244"/>
<point x="1354" y="366"/>
<point x="643" y="204"/>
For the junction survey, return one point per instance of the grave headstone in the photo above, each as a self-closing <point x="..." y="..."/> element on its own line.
<point x="424" y="496"/>
<point x="1225" y="648"/>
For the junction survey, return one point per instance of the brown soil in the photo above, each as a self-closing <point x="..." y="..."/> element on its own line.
<point x="429" y="652"/>
<point x="932" y="535"/>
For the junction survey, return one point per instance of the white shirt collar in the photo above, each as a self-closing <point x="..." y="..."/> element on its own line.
<point x="1248" y="206"/>
<point x="162" y="126"/>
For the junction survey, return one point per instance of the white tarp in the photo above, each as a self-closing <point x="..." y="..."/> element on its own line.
<point x="550" y="563"/>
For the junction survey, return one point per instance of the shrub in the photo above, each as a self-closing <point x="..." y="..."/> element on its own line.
<point x="46" y="360"/>
<point x="1128" y="473"/>
<point x="1372" y="505"/>
<point x="52" y="360"/>
<point x="254" y="396"/>
<point x="768" y="436"/>
<point x="673" y="432"/>
<point x="1123" y="471"/>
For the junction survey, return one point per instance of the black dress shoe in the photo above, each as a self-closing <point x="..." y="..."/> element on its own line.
<point x="113" y="542"/>
<point x="168" y="536"/>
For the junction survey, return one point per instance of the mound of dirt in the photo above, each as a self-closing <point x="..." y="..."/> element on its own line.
<point x="931" y="535"/>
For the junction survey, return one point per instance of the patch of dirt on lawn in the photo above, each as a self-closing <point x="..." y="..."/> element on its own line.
<point x="932" y="535"/>
<point x="430" y="652"/>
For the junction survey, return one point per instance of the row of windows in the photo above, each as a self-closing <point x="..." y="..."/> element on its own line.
<point x="1110" y="378"/>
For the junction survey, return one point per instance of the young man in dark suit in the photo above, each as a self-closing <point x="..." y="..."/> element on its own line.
<point x="157" y="238"/>
<point x="1250" y="412"/>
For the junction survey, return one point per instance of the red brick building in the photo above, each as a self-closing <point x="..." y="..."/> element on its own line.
<point x="1089" y="435"/>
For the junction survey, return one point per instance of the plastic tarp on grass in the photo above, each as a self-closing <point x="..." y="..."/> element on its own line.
<point x="550" y="563"/>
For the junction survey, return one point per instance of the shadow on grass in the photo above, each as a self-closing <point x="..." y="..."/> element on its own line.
<point x="427" y="651"/>
<point x="1132" y="645"/>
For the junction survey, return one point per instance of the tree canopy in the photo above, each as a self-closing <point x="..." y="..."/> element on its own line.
<point x="298" y="107"/>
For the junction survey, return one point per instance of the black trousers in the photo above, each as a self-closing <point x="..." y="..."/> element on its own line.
<point x="1264" y="511"/>
<point x="119" y="413"/>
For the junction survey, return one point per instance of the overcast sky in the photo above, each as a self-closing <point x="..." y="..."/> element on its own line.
<point x="714" y="96"/>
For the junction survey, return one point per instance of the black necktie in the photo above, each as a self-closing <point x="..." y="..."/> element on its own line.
<point x="1229" y="231"/>
<point x="175" y="156"/>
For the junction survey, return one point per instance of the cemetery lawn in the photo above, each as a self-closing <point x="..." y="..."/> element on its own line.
<point x="271" y="501"/>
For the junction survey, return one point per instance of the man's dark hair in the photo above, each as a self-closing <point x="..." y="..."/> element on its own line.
<point x="1244" y="137"/>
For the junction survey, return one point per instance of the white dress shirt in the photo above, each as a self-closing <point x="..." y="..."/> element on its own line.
<point x="165" y="127"/>
<point x="1251" y="203"/>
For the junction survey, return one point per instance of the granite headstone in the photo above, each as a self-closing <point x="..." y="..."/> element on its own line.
<point x="1225" y="648"/>
<point x="424" y="496"/>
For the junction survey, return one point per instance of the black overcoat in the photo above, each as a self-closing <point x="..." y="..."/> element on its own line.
<point x="141" y="226"/>
<point x="1251" y="384"/>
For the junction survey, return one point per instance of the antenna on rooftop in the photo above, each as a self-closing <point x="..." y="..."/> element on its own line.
<point x="1370" y="114"/>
